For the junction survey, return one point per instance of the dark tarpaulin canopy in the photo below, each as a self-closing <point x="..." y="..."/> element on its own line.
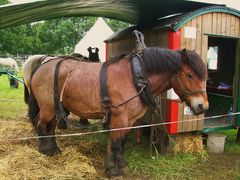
<point x="172" y="22"/>
<point x="132" y="11"/>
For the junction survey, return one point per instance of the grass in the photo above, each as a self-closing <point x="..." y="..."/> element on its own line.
<point x="170" y="166"/>
<point x="231" y="145"/>
<point x="11" y="101"/>
<point x="141" y="165"/>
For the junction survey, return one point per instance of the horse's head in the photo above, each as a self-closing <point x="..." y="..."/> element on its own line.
<point x="190" y="82"/>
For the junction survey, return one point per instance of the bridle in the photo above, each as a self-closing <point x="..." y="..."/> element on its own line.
<point x="186" y="93"/>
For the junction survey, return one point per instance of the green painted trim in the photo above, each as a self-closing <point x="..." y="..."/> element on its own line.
<point x="202" y="11"/>
<point x="215" y="129"/>
<point x="237" y="118"/>
<point x="221" y="36"/>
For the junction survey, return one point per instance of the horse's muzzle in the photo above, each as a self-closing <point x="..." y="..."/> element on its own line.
<point x="200" y="108"/>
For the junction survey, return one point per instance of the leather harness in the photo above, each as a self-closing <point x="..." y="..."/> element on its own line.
<point x="186" y="93"/>
<point x="140" y="81"/>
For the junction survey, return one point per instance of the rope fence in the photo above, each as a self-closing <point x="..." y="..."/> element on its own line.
<point x="115" y="129"/>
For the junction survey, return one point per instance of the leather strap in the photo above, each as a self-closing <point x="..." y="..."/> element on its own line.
<point x="103" y="86"/>
<point x="105" y="95"/>
<point x="55" y="89"/>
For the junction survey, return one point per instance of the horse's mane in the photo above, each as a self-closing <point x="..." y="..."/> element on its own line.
<point x="165" y="60"/>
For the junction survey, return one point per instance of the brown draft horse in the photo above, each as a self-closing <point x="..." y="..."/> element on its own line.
<point x="185" y="72"/>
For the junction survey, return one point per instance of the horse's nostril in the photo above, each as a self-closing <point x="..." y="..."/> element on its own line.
<point x="201" y="107"/>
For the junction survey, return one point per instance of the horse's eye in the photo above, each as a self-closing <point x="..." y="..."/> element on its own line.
<point x="189" y="76"/>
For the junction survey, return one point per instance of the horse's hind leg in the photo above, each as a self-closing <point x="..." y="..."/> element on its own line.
<point x="47" y="145"/>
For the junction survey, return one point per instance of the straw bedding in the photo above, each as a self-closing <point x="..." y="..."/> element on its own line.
<point x="21" y="160"/>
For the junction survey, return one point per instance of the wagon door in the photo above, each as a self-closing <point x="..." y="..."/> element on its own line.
<point x="222" y="85"/>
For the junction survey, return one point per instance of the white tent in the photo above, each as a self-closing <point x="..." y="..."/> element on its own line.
<point x="95" y="37"/>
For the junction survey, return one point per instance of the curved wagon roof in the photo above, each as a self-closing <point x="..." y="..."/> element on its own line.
<point x="173" y="22"/>
<point x="132" y="11"/>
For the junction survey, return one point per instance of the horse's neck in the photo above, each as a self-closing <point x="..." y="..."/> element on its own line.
<point x="160" y="82"/>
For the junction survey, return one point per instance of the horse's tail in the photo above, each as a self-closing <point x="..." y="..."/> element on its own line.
<point x="33" y="108"/>
<point x="26" y="94"/>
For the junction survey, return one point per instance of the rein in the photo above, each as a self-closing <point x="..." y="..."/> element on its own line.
<point x="126" y="101"/>
<point x="186" y="93"/>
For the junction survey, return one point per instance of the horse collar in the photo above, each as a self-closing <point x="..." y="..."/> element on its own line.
<point x="140" y="80"/>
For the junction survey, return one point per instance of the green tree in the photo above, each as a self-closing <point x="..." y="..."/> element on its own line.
<point x="59" y="36"/>
<point x="16" y="40"/>
<point x="56" y="36"/>
<point x="3" y="2"/>
<point x="117" y="25"/>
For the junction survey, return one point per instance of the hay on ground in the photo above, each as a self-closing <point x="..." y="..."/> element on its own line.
<point x="188" y="143"/>
<point x="21" y="160"/>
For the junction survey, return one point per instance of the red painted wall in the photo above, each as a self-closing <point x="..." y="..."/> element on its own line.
<point x="174" y="43"/>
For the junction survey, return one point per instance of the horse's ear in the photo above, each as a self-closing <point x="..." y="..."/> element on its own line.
<point x="184" y="55"/>
<point x="89" y="49"/>
<point x="96" y="49"/>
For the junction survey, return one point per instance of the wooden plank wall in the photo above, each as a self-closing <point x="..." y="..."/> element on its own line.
<point x="211" y="23"/>
<point x="126" y="45"/>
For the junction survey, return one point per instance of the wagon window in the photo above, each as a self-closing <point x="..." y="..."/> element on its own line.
<point x="212" y="57"/>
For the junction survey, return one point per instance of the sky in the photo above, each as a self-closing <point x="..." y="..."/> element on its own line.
<point x="231" y="3"/>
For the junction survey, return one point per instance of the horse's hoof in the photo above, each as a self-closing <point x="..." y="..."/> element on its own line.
<point x="113" y="172"/>
<point x="122" y="163"/>
<point x="50" y="152"/>
<point x="84" y="122"/>
<point x="61" y="124"/>
<point x="57" y="150"/>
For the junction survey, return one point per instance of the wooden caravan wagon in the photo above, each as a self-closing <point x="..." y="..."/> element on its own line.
<point x="214" y="33"/>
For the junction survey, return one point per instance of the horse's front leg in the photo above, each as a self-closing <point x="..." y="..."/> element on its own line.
<point x="47" y="145"/>
<point x="115" y="160"/>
